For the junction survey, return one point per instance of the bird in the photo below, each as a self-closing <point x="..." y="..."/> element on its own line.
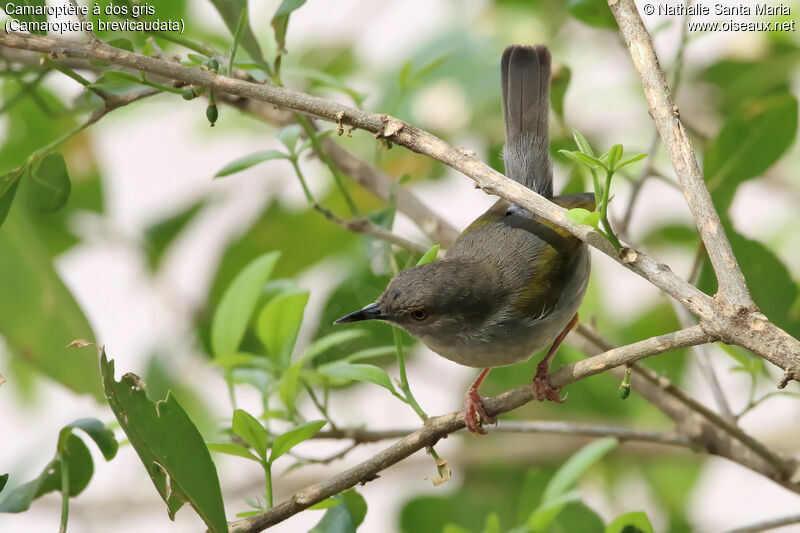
<point x="512" y="282"/>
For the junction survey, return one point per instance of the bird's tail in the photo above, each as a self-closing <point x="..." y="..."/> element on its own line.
<point x="526" y="101"/>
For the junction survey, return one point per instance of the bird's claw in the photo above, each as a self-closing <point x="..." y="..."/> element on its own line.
<point x="543" y="390"/>
<point x="474" y="413"/>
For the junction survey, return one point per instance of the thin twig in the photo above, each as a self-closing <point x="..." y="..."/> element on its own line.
<point x="84" y="23"/>
<point x="361" y="436"/>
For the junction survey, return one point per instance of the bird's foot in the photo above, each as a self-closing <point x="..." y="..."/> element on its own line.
<point x="474" y="413"/>
<point x="543" y="390"/>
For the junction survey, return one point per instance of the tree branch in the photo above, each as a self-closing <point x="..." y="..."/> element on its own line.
<point x="439" y="427"/>
<point x="732" y="287"/>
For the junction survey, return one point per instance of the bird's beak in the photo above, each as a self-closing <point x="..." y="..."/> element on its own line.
<point x="370" y="312"/>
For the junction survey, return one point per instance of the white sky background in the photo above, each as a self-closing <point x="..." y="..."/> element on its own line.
<point x="132" y="313"/>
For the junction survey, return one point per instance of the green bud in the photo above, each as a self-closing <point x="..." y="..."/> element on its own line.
<point x="188" y="94"/>
<point x="212" y="114"/>
<point x="625" y="387"/>
<point x="212" y="64"/>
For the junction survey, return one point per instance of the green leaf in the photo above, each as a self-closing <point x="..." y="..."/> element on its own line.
<point x="590" y="162"/>
<point x="583" y="144"/>
<point x="237" y="165"/>
<point x="369" y="353"/>
<point x="583" y="216"/>
<point x="280" y="22"/>
<point x="124" y="44"/>
<point x="288" y="387"/>
<point x="429" y="256"/>
<point x="358" y="372"/>
<point x="169" y="445"/>
<point x="492" y="523"/>
<point x="237" y="36"/>
<point x="48" y="184"/>
<point x="279" y="323"/>
<point x="81" y="468"/>
<point x="629" y="160"/>
<point x="237" y="304"/>
<point x="230" y="448"/>
<point x="770" y="282"/>
<point x="8" y="188"/>
<point x="323" y="79"/>
<point x="343" y="518"/>
<point x="159" y="236"/>
<point x="231" y="11"/>
<point x="99" y="433"/>
<point x="614" y="155"/>
<point x="324" y="504"/>
<point x="558" y="89"/>
<point x="580" y="462"/>
<point x="4" y="480"/>
<point x="251" y="431"/>
<point x="45" y="317"/>
<point x="122" y="76"/>
<point x="286" y="441"/>
<point x="751" y="363"/>
<point x="543" y="516"/>
<point x="331" y="340"/>
<point x="289" y="136"/>
<point x="32" y="17"/>
<point x="634" y="522"/>
<point x="592" y="13"/>
<point x="749" y="143"/>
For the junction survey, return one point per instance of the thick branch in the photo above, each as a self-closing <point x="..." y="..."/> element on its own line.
<point x="732" y="287"/>
<point x="722" y="321"/>
<point x="439" y="427"/>
<point x="382" y="126"/>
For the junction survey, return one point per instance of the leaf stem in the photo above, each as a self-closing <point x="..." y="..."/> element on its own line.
<point x="612" y="237"/>
<point x="64" y="492"/>
<point x="401" y="363"/>
<point x="337" y="177"/>
<point x="301" y="177"/>
<point x="268" y="482"/>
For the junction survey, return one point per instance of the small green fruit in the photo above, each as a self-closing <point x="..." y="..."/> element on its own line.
<point x="212" y="114"/>
<point x="212" y="64"/>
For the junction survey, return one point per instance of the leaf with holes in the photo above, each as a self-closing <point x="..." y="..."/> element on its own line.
<point x="169" y="445"/>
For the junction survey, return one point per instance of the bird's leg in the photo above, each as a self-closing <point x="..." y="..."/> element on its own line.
<point x="474" y="414"/>
<point x="542" y="389"/>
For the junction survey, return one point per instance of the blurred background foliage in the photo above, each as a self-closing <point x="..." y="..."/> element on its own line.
<point x="741" y="112"/>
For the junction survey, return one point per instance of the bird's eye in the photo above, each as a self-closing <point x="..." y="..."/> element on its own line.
<point x="419" y="314"/>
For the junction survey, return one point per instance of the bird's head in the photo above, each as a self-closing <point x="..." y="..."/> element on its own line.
<point x="435" y="301"/>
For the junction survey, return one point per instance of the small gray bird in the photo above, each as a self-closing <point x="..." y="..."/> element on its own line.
<point x="512" y="282"/>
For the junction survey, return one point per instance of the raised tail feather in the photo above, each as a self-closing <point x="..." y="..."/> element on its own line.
<point x="526" y="101"/>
